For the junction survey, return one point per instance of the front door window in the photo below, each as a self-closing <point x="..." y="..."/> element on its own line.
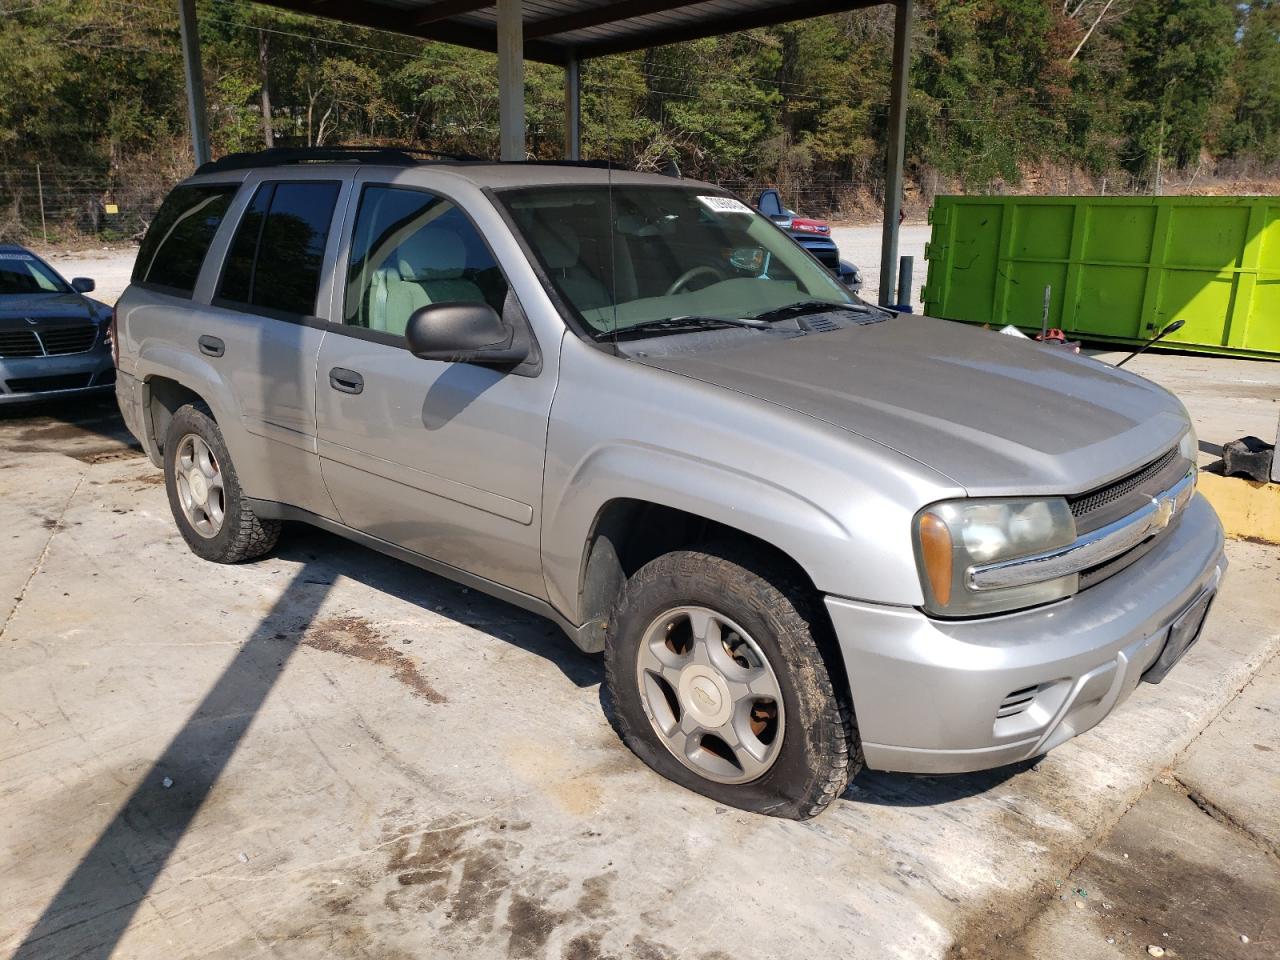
<point x="411" y="249"/>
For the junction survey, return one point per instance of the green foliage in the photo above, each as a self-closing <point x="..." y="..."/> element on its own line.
<point x="93" y="91"/>
<point x="1255" y="122"/>
<point x="1179" y="52"/>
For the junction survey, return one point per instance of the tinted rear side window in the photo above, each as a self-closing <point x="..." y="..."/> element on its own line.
<point x="175" y="246"/>
<point x="275" y="258"/>
<point x="237" y="274"/>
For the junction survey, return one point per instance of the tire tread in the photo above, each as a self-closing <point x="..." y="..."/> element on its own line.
<point x="252" y="535"/>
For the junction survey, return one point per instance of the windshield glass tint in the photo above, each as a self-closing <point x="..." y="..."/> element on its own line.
<point x="22" y="273"/>
<point x="630" y="255"/>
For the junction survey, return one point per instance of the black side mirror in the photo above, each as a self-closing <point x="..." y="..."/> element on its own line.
<point x="82" y="285"/>
<point x="463" y="333"/>
<point x="770" y="204"/>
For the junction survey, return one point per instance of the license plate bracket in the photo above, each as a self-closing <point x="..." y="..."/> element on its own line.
<point x="1183" y="633"/>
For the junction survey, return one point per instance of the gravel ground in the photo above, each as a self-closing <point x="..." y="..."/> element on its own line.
<point x="111" y="266"/>
<point x="861" y="245"/>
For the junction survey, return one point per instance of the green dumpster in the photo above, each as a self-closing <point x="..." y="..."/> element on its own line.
<point x="1119" y="269"/>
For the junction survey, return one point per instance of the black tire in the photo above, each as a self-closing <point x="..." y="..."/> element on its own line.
<point x="820" y="749"/>
<point x="243" y="535"/>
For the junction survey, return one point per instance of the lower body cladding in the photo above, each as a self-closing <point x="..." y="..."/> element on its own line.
<point x="936" y="696"/>
<point x="27" y="379"/>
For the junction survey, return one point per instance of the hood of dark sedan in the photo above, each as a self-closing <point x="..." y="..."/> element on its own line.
<point x="18" y="309"/>
<point x="999" y="415"/>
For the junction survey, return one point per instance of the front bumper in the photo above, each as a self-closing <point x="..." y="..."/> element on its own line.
<point x="935" y="696"/>
<point x="30" y="379"/>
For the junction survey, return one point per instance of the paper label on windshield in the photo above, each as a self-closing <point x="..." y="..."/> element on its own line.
<point x="724" y="205"/>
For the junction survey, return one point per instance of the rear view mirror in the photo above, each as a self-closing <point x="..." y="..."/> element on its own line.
<point x="82" y="285"/>
<point x="747" y="259"/>
<point x="463" y="333"/>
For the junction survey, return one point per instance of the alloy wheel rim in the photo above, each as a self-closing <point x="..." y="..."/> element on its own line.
<point x="201" y="493"/>
<point x="710" y="694"/>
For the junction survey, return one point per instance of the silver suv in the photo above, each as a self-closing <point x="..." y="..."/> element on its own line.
<point x="807" y="534"/>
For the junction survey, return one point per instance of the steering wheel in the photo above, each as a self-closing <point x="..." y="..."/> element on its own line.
<point x="689" y="274"/>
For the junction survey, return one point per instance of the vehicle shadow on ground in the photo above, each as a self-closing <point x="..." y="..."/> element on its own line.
<point x="878" y="789"/>
<point x="95" y="905"/>
<point x="328" y="556"/>
<point x="87" y="428"/>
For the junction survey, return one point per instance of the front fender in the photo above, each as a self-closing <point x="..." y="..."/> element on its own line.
<point x="754" y="505"/>
<point x="837" y="504"/>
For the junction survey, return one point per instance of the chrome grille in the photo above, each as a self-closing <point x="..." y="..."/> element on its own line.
<point x="1087" y="503"/>
<point x="48" y="341"/>
<point x="19" y="343"/>
<point x="63" y="340"/>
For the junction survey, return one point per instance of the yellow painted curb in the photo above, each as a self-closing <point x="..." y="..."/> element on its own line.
<point x="1249" y="510"/>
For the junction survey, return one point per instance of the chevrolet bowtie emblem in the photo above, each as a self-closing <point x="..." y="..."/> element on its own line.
<point x="1164" y="512"/>
<point x="32" y="320"/>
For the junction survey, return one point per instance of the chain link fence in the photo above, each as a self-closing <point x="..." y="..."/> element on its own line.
<point x="58" y="205"/>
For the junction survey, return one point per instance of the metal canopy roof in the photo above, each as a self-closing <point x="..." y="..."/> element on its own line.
<point x="557" y="30"/>
<point x="567" y="31"/>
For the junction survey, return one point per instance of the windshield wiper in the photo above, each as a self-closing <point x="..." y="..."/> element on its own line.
<point x="682" y="324"/>
<point x="803" y="307"/>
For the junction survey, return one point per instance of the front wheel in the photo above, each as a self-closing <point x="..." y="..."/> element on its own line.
<point x="204" y="492"/>
<point x="717" y="682"/>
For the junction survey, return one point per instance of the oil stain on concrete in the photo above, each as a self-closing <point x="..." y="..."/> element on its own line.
<point x="355" y="637"/>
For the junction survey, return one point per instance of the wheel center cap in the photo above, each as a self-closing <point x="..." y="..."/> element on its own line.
<point x="705" y="695"/>
<point x="199" y="486"/>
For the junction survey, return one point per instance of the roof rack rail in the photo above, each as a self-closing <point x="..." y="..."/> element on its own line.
<point x="283" y="156"/>
<point x="593" y="164"/>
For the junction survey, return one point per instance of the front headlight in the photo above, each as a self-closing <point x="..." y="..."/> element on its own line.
<point x="954" y="537"/>
<point x="1189" y="445"/>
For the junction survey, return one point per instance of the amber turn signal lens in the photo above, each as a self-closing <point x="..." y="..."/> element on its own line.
<point x="935" y="550"/>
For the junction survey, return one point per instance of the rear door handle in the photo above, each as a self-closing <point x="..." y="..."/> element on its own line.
<point x="211" y="346"/>
<point x="347" y="381"/>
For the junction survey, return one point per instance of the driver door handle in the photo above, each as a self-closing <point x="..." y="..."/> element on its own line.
<point x="346" y="381"/>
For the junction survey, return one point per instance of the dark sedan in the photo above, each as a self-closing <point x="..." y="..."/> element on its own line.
<point x="53" y="339"/>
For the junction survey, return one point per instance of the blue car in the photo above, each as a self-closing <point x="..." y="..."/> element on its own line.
<point x="53" y="339"/>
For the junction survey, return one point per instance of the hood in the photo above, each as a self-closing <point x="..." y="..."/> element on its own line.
<point x="16" y="309"/>
<point x="998" y="415"/>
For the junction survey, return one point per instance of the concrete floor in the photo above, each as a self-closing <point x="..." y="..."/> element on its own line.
<point x="329" y="754"/>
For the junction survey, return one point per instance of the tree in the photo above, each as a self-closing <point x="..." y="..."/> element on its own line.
<point x="1178" y="55"/>
<point x="1256" y="121"/>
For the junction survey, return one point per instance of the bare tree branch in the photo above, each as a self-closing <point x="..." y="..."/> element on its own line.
<point x="1088" y="33"/>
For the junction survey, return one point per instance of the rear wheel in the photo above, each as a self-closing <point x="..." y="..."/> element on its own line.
<point x="718" y="682"/>
<point x="204" y="492"/>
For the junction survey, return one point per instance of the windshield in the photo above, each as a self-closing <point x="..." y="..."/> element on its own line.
<point x="23" y="273"/>
<point x="630" y="256"/>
